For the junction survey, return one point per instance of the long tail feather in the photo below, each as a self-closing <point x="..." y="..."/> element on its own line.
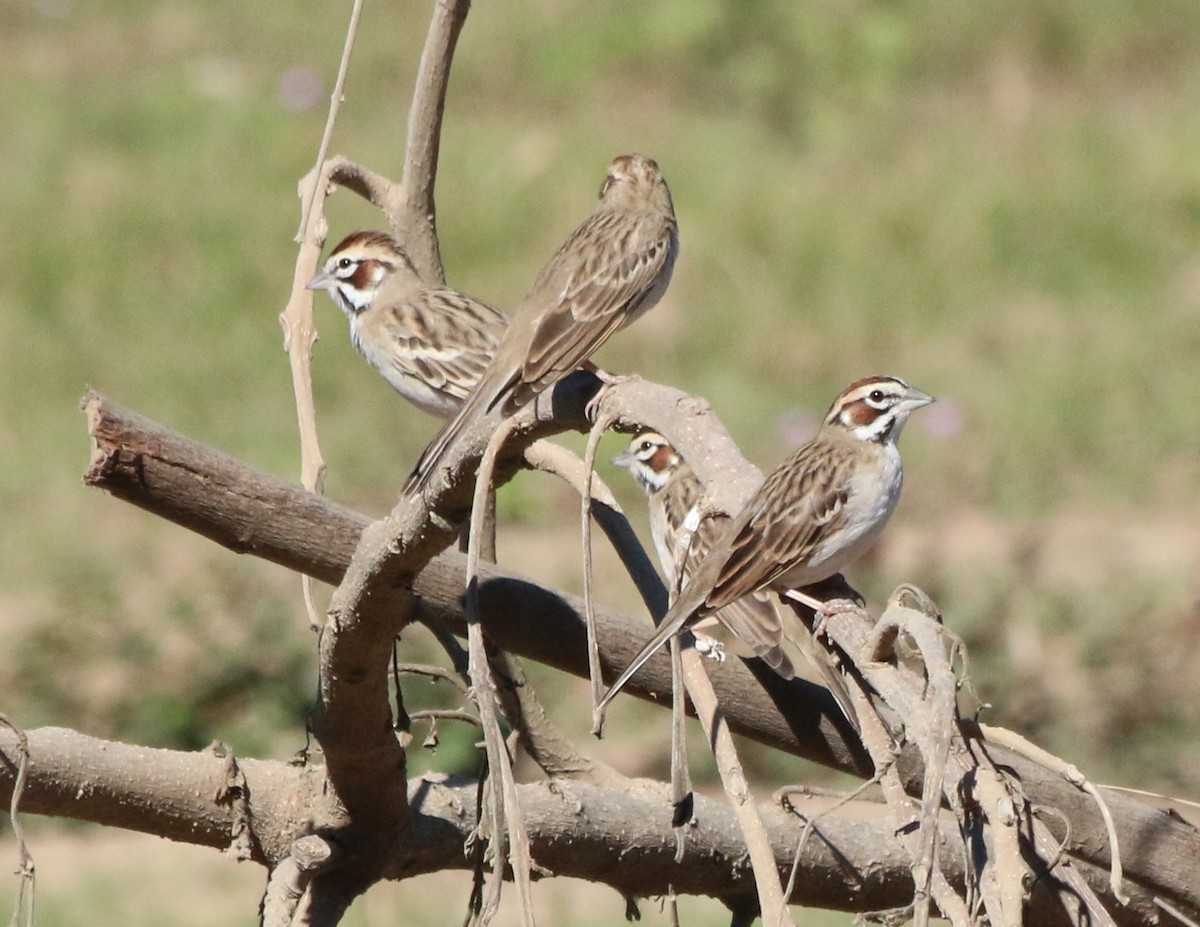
<point x="671" y="626"/>
<point x="481" y="399"/>
<point x="682" y="614"/>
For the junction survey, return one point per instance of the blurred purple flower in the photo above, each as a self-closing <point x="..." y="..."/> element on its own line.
<point x="300" y="88"/>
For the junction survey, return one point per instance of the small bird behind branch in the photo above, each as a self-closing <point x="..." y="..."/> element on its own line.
<point x="431" y="343"/>
<point x="613" y="268"/>
<point x="817" y="513"/>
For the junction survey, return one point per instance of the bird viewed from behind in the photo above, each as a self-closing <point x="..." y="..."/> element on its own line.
<point x="817" y="513"/>
<point x="613" y="268"/>
<point x="430" y="342"/>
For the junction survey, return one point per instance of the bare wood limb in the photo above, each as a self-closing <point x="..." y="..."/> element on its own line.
<point x="595" y="673"/>
<point x="299" y="329"/>
<point x="550" y="458"/>
<point x="554" y="753"/>
<point x="164" y="792"/>
<point x="418" y="223"/>
<point x="445" y="714"/>
<point x="984" y="801"/>
<point x="904" y="817"/>
<point x="1015" y="742"/>
<point x="216" y="495"/>
<point x="621" y="837"/>
<point x="434" y="672"/>
<point x="1175" y="913"/>
<point x="379" y="191"/>
<point x="316" y="193"/>
<point x="763" y="860"/>
<point x="290" y="879"/>
<point x="506" y="831"/>
<point x="25" y="872"/>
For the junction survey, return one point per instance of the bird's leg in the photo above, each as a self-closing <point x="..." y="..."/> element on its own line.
<point x="607" y="382"/>
<point x="804" y="599"/>
<point x="831" y="608"/>
<point x="824" y="610"/>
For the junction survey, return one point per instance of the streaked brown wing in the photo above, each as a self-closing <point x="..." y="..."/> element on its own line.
<point x="448" y="340"/>
<point x="592" y="288"/>
<point x="781" y="524"/>
<point x="754" y="619"/>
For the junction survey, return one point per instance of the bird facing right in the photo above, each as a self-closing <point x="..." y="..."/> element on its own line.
<point x="818" y="512"/>
<point x="684" y="533"/>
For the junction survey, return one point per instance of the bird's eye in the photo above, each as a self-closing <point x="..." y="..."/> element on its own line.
<point x="646" y="445"/>
<point x="345" y="263"/>
<point x="876" y="395"/>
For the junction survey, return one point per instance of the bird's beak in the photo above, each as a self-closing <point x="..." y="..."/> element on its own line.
<point x="914" y="399"/>
<point x="322" y="281"/>
<point x="623" y="459"/>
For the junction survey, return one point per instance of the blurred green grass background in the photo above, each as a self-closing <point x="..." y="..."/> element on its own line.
<point x="1000" y="203"/>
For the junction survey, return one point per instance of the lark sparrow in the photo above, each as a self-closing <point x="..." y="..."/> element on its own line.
<point x="684" y="534"/>
<point x="817" y="513"/>
<point x="431" y="343"/>
<point x="613" y="268"/>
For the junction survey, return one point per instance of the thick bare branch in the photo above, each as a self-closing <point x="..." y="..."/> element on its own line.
<point x="165" y="792"/>
<point x="620" y="837"/>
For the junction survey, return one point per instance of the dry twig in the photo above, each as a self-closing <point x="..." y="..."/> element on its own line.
<point x="595" y="672"/>
<point x="25" y="871"/>
<point x="299" y="330"/>
<point x="507" y="832"/>
<point x="1015" y="742"/>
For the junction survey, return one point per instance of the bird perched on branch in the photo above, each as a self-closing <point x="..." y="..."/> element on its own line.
<point x="684" y="534"/>
<point x="430" y="342"/>
<point x="817" y="513"/>
<point x="613" y="268"/>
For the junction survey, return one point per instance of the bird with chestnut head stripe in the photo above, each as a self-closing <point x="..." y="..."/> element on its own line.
<point x="817" y="513"/>
<point x="430" y="342"/>
<point x="612" y="269"/>
<point x="683" y="535"/>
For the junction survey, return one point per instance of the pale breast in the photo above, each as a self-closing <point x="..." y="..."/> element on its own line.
<point x="378" y="346"/>
<point x="875" y="490"/>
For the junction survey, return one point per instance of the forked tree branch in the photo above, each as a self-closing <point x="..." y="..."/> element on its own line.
<point x="249" y="512"/>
